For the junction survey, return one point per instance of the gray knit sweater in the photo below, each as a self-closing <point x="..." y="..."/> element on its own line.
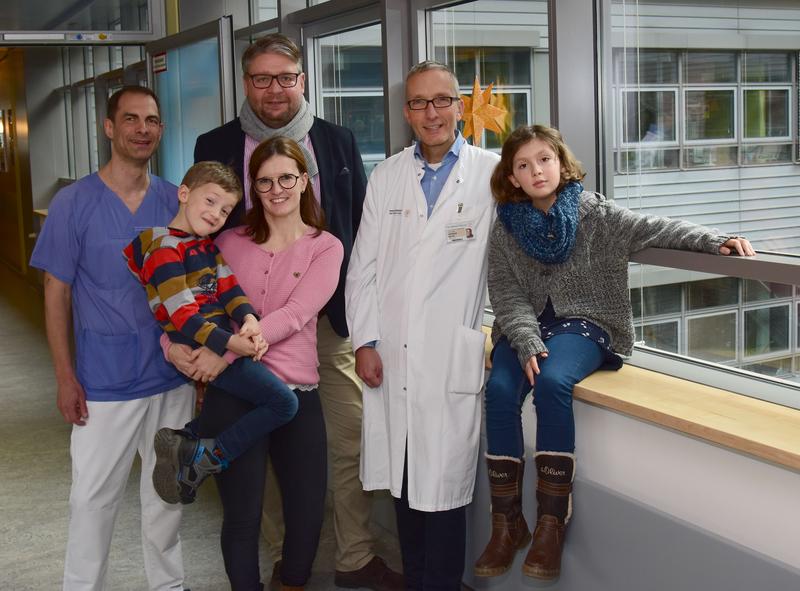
<point x="592" y="284"/>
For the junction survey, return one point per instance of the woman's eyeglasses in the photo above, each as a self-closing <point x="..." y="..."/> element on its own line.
<point x="285" y="181"/>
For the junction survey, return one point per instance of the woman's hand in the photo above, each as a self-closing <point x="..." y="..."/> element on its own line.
<point x="532" y="367"/>
<point x="243" y="346"/>
<point x="207" y="365"/>
<point x="261" y="347"/>
<point x="738" y="245"/>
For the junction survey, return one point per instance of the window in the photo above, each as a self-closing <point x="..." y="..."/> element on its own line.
<point x="766" y="331"/>
<point x="712" y="337"/>
<point x="264" y="10"/>
<point x="500" y="42"/>
<point x="706" y="109"/>
<point x="710" y="136"/>
<point x="663" y="336"/>
<point x="350" y="83"/>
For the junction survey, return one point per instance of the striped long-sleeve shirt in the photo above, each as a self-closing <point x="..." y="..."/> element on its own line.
<point x="191" y="290"/>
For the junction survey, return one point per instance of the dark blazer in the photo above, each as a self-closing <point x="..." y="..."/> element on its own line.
<point x="342" y="183"/>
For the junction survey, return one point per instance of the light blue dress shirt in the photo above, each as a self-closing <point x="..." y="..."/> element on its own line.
<point x="433" y="177"/>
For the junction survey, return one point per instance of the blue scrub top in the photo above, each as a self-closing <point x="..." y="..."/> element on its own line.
<point x="118" y="355"/>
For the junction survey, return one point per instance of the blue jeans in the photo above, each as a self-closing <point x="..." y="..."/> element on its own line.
<point x="275" y="405"/>
<point x="571" y="357"/>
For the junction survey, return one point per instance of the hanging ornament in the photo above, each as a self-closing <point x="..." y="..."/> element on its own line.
<point x="480" y="114"/>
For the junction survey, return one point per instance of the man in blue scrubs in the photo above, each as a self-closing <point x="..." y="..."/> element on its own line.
<point x="120" y="390"/>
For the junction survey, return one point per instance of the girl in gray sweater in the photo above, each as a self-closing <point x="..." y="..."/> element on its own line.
<point x="558" y="283"/>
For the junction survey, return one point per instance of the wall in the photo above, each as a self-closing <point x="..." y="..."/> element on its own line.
<point x="48" y="142"/>
<point x="15" y="210"/>
<point x="658" y="510"/>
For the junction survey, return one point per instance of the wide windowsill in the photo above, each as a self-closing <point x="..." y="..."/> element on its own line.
<point x="762" y="429"/>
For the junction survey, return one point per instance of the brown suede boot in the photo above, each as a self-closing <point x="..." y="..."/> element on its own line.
<point x="509" y="530"/>
<point x="555" y="471"/>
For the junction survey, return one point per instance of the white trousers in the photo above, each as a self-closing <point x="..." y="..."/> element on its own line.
<point x="102" y="455"/>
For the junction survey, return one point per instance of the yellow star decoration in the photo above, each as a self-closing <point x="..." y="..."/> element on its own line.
<point x="480" y="114"/>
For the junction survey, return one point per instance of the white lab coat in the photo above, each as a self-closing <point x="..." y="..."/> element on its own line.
<point x="421" y="298"/>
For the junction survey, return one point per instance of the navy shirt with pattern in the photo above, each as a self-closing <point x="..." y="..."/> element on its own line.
<point x="550" y="325"/>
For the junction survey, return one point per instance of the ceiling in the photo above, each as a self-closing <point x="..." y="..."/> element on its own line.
<point x="69" y="15"/>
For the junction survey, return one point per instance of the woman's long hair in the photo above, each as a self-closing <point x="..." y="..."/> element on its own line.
<point x="310" y="212"/>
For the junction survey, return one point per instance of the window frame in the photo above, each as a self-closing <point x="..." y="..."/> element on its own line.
<point x="621" y="108"/>
<point x="789" y="110"/>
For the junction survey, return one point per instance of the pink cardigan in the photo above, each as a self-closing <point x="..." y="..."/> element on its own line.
<point x="287" y="290"/>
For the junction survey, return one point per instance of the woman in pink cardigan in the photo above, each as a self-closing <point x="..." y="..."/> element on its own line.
<point x="288" y="267"/>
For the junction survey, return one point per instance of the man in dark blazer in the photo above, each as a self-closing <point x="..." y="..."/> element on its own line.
<point x="275" y="105"/>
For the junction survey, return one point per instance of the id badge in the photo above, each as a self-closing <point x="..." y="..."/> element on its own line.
<point x="460" y="231"/>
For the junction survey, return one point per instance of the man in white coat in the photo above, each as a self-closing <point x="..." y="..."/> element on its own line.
<point x="414" y="296"/>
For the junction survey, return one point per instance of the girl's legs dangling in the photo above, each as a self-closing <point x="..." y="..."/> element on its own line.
<point x="571" y="358"/>
<point x="505" y="392"/>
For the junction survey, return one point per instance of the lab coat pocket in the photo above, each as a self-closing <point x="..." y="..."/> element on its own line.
<point x="107" y="362"/>
<point x="467" y="362"/>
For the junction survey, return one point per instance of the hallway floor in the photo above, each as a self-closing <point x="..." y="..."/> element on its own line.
<point x="35" y="479"/>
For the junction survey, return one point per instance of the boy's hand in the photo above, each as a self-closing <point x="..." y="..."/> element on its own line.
<point x="250" y="327"/>
<point x="243" y="346"/>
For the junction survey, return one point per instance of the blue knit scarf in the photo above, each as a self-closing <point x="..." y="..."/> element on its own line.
<point x="547" y="237"/>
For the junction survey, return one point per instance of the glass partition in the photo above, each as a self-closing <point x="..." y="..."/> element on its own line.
<point x="190" y="95"/>
<point x="349" y="82"/>
<point x="739" y="323"/>
<point x="192" y="74"/>
<point x="504" y="42"/>
<point x="710" y="136"/>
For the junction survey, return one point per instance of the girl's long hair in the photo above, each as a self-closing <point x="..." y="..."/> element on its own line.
<point x="571" y="169"/>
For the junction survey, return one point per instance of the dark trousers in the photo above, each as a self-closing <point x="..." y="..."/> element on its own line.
<point x="432" y="544"/>
<point x="298" y="451"/>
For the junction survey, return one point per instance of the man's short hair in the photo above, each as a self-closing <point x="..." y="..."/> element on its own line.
<point x="428" y="65"/>
<point x="113" y="101"/>
<point x="277" y="43"/>
<point x="213" y="172"/>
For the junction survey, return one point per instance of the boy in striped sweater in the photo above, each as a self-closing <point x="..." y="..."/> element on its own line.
<point x="194" y="296"/>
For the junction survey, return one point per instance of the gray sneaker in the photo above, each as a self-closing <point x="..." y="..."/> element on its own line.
<point x="182" y="464"/>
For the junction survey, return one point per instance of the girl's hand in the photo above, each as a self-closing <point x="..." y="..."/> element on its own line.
<point x="532" y="367"/>
<point x="738" y="245"/>
<point x="250" y="327"/>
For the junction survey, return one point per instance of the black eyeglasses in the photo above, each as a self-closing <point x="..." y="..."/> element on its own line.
<point x="286" y="181"/>
<point x="439" y="102"/>
<point x="265" y="80"/>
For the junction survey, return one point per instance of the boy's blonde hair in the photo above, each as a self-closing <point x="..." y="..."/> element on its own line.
<point x="571" y="169"/>
<point x="213" y="172"/>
